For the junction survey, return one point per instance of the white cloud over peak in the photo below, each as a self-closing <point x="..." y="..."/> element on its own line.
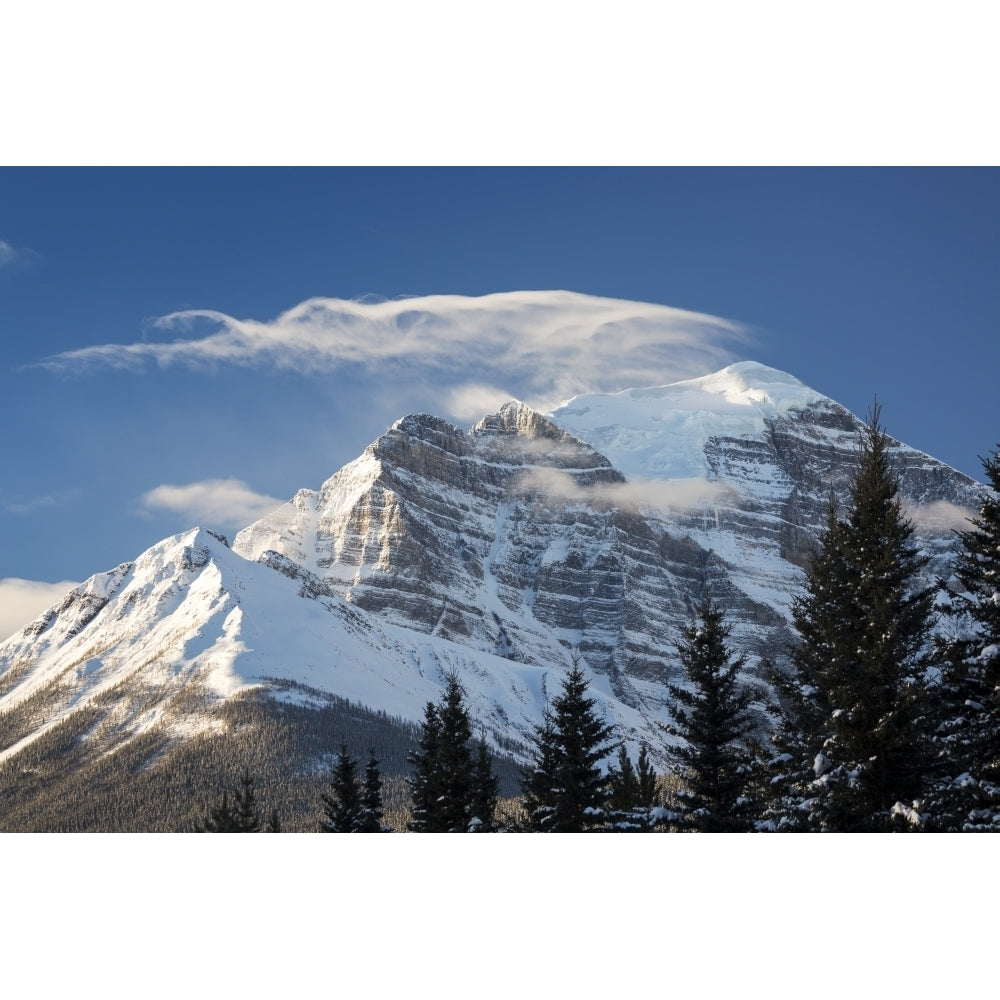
<point x="22" y="601"/>
<point x="660" y="494"/>
<point x="214" y="503"/>
<point x="472" y="401"/>
<point x="544" y="345"/>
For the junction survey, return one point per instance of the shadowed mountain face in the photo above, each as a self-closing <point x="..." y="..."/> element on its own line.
<point x="496" y="553"/>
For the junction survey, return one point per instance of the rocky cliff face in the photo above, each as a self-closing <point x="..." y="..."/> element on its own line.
<point x="460" y="535"/>
<point x="520" y="539"/>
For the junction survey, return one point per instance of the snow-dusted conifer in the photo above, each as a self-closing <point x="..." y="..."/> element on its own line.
<point x="565" y="792"/>
<point x="966" y="794"/>
<point x="446" y="784"/>
<point x="485" y="791"/>
<point x="629" y="804"/>
<point x="454" y="759"/>
<point x="712" y="717"/>
<point x="851" y="740"/>
<point x="538" y="782"/>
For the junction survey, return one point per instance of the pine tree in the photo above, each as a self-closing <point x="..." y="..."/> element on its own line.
<point x="623" y="783"/>
<point x="425" y="782"/>
<point x="646" y="777"/>
<point x="713" y="720"/>
<point x="485" y="792"/>
<point x="342" y="808"/>
<point x="246" y="812"/>
<point x="626" y="811"/>
<point x="240" y="817"/>
<point x="371" y="798"/>
<point x="966" y="793"/>
<point x="852" y="738"/>
<point x="220" y="819"/>
<point x="454" y="759"/>
<point x="446" y="785"/>
<point x="564" y="791"/>
<point x="538" y="783"/>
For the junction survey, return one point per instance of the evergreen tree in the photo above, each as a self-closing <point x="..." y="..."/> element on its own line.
<point x="220" y="819"/>
<point x="246" y="812"/>
<point x="240" y="817"/>
<point x="564" y="791"/>
<point x="626" y="810"/>
<point x="538" y="783"/>
<point x="852" y="733"/>
<point x="712" y="718"/>
<point x="342" y="808"/>
<point x="966" y="792"/>
<point x="446" y="784"/>
<point x="371" y="797"/>
<point x="485" y="791"/>
<point x="453" y="807"/>
<point x="646" y="777"/>
<point x="623" y="783"/>
<point x="425" y="781"/>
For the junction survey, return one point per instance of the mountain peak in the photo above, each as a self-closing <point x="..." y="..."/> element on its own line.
<point x="743" y="385"/>
<point x="515" y="417"/>
<point x="750" y="383"/>
<point x="661" y="431"/>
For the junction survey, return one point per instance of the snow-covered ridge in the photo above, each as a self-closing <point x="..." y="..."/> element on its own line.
<point x="746" y="384"/>
<point x="192" y="615"/>
<point x="661" y="432"/>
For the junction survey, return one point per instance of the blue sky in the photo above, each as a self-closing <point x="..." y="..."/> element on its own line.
<point x="857" y="281"/>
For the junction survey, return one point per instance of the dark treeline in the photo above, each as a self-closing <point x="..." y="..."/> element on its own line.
<point x="70" y="780"/>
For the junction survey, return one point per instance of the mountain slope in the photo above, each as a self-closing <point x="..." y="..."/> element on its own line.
<point x="499" y="553"/>
<point x="190" y="624"/>
<point x="519" y="539"/>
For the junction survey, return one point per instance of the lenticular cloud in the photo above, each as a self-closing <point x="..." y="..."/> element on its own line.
<point x="540" y="345"/>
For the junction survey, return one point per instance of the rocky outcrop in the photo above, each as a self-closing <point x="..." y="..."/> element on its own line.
<point x="519" y="539"/>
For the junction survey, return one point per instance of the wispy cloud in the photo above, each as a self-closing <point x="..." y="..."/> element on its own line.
<point x="10" y="255"/>
<point x="28" y="505"/>
<point x="542" y="346"/>
<point x="21" y="601"/>
<point x="471" y="401"/>
<point x="214" y="503"/>
<point x="939" y="517"/>
<point x="660" y="494"/>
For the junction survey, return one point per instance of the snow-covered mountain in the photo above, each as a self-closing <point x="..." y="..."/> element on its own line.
<point x="498" y="553"/>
